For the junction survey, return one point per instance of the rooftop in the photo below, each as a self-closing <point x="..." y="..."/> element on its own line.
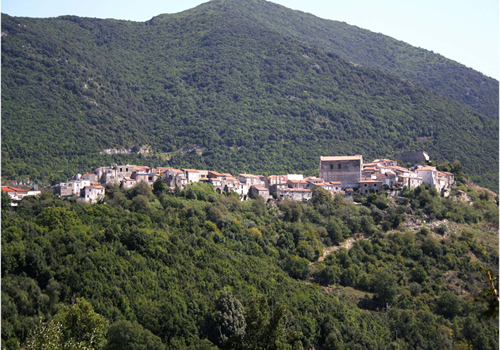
<point x="332" y="158"/>
<point x="427" y="168"/>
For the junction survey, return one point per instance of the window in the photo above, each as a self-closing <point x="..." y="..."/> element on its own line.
<point x="120" y="169"/>
<point x="331" y="166"/>
<point x="340" y="166"/>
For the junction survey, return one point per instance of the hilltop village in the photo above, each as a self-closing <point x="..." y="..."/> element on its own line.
<point x="338" y="175"/>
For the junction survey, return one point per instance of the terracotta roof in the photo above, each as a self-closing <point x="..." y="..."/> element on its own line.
<point x="398" y="168"/>
<point x="191" y="170"/>
<point x="97" y="186"/>
<point x="369" y="181"/>
<point x="13" y="189"/>
<point x="138" y="167"/>
<point x="336" y="182"/>
<point x="427" y="168"/>
<point x="356" y="157"/>
<point x="7" y="189"/>
<point x="87" y="175"/>
<point x="248" y="175"/>
<point x="349" y="190"/>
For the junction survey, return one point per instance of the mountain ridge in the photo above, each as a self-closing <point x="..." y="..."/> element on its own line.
<point x="216" y="82"/>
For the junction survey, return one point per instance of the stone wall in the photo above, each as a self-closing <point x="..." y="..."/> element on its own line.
<point x="347" y="170"/>
<point x="413" y="157"/>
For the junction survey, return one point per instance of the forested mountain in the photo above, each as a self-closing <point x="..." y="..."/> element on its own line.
<point x="198" y="270"/>
<point x="360" y="46"/>
<point x="213" y="80"/>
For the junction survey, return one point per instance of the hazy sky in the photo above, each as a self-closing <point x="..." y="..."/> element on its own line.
<point x="466" y="31"/>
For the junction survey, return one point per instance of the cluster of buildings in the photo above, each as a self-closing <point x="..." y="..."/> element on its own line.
<point x="342" y="174"/>
<point x="16" y="194"/>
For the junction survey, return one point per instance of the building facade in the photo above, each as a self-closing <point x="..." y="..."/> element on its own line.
<point x="346" y="169"/>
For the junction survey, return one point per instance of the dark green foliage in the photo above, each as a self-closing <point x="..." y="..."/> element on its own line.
<point x="448" y="305"/>
<point x="230" y="318"/>
<point x="297" y="267"/>
<point x="250" y="91"/>
<point x="75" y="327"/>
<point x="160" y="268"/>
<point x="125" y="335"/>
<point x="384" y="288"/>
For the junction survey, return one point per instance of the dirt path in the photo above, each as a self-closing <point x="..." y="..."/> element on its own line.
<point x="347" y="245"/>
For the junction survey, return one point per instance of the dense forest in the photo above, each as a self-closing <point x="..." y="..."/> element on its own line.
<point x="220" y="87"/>
<point x="192" y="269"/>
<point x="363" y="47"/>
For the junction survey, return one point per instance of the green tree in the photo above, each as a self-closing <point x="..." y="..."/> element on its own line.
<point x="125" y="335"/>
<point x="448" y="305"/>
<point x="230" y="318"/>
<point x="74" y="327"/>
<point x="159" y="185"/>
<point x="384" y="288"/>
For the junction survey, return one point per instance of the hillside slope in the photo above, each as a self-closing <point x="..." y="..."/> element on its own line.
<point x="248" y="97"/>
<point x="163" y="262"/>
<point x="361" y="46"/>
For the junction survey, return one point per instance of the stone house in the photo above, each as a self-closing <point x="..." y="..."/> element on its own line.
<point x="346" y="169"/>
<point x="297" y="184"/>
<point x="428" y="174"/>
<point x="253" y="180"/>
<point x="116" y="173"/>
<point x="349" y="194"/>
<point x="146" y="176"/>
<point x="91" y="178"/>
<point x="449" y="177"/>
<point x="215" y="175"/>
<point x="217" y="183"/>
<point x="294" y="194"/>
<point x="192" y="175"/>
<point x="172" y="178"/>
<point x="255" y="191"/>
<point x="92" y="194"/>
<point x="365" y="187"/>
<point x="128" y="182"/>
<point x="411" y="180"/>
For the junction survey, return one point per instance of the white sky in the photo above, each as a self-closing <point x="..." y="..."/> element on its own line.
<point x="466" y="31"/>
